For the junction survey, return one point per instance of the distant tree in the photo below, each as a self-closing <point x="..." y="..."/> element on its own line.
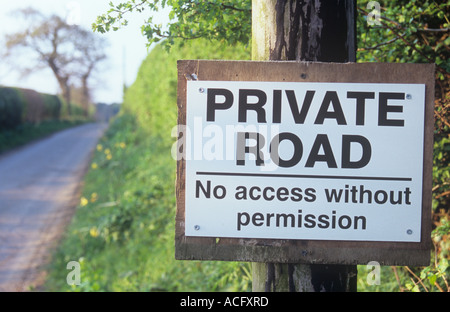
<point x="90" y="52"/>
<point x="69" y="51"/>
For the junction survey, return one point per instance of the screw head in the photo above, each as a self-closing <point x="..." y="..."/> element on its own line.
<point x="197" y="227"/>
<point x="408" y="96"/>
<point x="409" y="231"/>
<point x="201" y="90"/>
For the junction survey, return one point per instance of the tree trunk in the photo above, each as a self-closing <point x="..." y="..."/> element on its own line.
<point x="85" y="95"/>
<point x="65" y="88"/>
<point x="63" y="82"/>
<point x="308" y="30"/>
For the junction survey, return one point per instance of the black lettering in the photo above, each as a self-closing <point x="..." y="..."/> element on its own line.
<point x="384" y="109"/>
<point x="243" y="149"/>
<point x="296" y="194"/>
<point x="354" y="191"/>
<point x="282" y="194"/>
<point x="199" y="186"/>
<point x="269" y="216"/>
<point x="407" y="193"/>
<point x="219" y="192"/>
<point x="245" y="106"/>
<point x="383" y="199"/>
<point x="241" y="193"/>
<point x="299" y="218"/>
<point x="333" y="195"/>
<point x="276" y="117"/>
<point x="239" y="220"/>
<point x="347" y="141"/>
<point x="348" y="222"/>
<point x="266" y="190"/>
<point x="362" y="192"/>
<point x="285" y="217"/>
<point x="328" y="157"/>
<point x="360" y="104"/>
<point x="330" y="97"/>
<point x="323" y="221"/>
<point x="212" y="105"/>
<point x="310" y="195"/>
<point x="363" y="222"/>
<point x="258" y="219"/>
<point x="252" y="196"/>
<point x="333" y="219"/>
<point x="310" y="221"/>
<point x="274" y="149"/>
<point x="299" y="117"/>
<point x="399" y="199"/>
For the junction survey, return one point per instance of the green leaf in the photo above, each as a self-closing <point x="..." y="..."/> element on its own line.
<point x="432" y="279"/>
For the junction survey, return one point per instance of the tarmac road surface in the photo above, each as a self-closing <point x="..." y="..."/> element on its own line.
<point x="39" y="189"/>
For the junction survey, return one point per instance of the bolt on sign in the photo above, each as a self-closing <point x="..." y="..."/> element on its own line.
<point x="304" y="162"/>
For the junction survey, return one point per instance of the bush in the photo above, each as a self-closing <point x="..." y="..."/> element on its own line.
<point x="52" y="105"/>
<point x="19" y="106"/>
<point x="11" y="108"/>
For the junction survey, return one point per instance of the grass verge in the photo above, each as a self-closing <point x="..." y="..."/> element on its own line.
<point x="123" y="231"/>
<point x="26" y="133"/>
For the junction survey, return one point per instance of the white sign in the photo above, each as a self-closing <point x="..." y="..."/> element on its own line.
<point x="309" y="161"/>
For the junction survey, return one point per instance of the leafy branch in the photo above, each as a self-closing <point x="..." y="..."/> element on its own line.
<point x="402" y="37"/>
<point x="192" y="19"/>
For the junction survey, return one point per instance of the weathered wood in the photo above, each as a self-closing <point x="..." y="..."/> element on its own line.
<point x="281" y="278"/>
<point x="277" y="277"/>
<point x="303" y="30"/>
<point x="301" y="251"/>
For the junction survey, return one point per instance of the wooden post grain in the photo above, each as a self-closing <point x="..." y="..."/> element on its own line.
<point x="308" y="30"/>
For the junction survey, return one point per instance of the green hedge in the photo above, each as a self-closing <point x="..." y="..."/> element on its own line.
<point x="11" y="108"/>
<point x="53" y="106"/>
<point x="18" y="106"/>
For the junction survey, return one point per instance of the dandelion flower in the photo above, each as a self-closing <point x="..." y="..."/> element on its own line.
<point x="94" y="166"/>
<point x="83" y="201"/>
<point x="94" y="232"/>
<point x="99" y="147"/>
<point x="94" y="197"/>
<point x="107" y="151"/>
<point x="122" y="145"/>
<point x="109" y="156"/>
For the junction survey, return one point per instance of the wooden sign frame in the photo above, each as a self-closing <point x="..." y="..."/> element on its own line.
<point x="307" y="251"/>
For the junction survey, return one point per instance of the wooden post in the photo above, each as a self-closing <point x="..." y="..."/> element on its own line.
<point x="308" y="30"/>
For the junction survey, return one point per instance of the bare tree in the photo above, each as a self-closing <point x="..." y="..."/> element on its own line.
<point x="91" y="49"/>
<point x="69" y="51"/>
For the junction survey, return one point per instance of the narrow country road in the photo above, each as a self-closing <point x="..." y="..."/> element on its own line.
<point x="39" y="186"/>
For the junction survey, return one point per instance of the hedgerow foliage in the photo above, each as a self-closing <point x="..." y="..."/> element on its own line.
<point x="123" y="232"/>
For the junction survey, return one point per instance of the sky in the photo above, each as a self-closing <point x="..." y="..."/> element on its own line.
<point x="126" y="51"/>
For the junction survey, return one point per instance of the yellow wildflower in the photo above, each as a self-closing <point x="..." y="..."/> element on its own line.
<point x="122" y="145"/>
<point x="94" y="232"/>
<point x="107" y="151"/>
<point x="99" y="147"/>
<point x="109" y="156"/>
<point x="94" y="166"/>
<point x="94" y="197"/>
<point x="83" y="201"/>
